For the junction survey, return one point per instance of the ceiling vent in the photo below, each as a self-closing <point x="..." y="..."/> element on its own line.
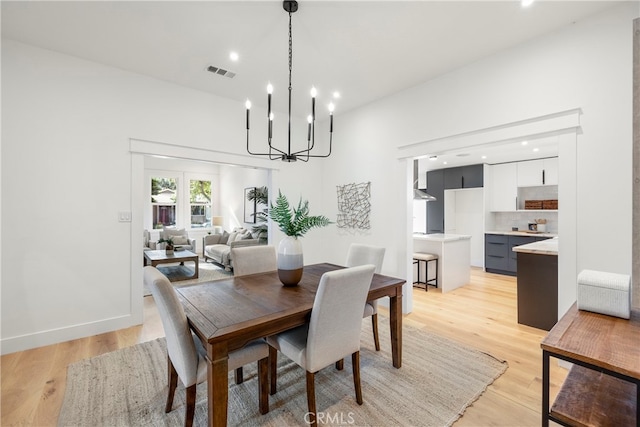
<point x="221" y="72"/>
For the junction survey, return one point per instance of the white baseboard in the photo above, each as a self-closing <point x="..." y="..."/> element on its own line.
<point x="55" y="336"/>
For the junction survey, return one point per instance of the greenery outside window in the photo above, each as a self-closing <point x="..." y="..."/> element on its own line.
<point x="200" y="205"/>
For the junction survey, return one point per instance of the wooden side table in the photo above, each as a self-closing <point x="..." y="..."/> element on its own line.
<point x="603" y="386"/>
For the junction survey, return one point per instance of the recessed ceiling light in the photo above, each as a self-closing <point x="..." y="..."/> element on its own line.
<point x="526" y="3"/>
<point x="525" y="142"/>
<point x="432" y="158"/>
<point x="535" y="150"/>
<point x="444" y="163"/>
<point x="336" y="94"/>
<point x="233" y="56"/>
<point x="484" y="157"/>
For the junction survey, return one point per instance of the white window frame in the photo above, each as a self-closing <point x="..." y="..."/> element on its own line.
<point x="188" y="177"/>
<point x="148" y="216"/>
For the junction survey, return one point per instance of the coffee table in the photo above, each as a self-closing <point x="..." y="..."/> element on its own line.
<point x="174" y="272"/>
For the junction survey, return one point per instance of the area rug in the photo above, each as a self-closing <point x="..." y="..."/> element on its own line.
<point x="207" y="271"/>
<point x="438" y="380"/>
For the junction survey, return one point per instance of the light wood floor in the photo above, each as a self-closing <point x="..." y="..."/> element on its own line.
<point x="481" y="314"/>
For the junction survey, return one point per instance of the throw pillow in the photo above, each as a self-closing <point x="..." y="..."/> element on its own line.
<point x="180" y="240"/>
<point x="232" y="237"/>
<point x="170" y="232"/>
<point x="245" y="236"/>
<point x="224" y="238"/>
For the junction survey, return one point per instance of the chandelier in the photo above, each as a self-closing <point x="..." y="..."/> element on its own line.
<point x="275" y="153"/>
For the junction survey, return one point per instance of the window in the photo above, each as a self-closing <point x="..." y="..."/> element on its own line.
<point x="163" y="202"/>
<point x="200" y="203"/>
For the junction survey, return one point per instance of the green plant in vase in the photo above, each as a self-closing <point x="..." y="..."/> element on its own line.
<point x="295" y="223"/>
<point x="168" y="247"/>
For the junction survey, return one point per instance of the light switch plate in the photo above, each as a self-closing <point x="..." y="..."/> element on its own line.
<point x="124" y="216"/>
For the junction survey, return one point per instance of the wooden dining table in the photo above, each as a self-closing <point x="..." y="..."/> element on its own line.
<point x="226" y="314"/>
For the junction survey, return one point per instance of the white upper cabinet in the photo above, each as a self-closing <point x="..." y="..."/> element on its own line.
<point x="551" y="171"/>
<point x="537" y="172"/>
<point x="504" y="188"/>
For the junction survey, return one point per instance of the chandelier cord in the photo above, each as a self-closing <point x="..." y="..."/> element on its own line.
<point x="290" y="90"/>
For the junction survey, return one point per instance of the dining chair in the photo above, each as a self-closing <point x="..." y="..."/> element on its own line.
<point x="186" y="355"/>
<point x="253" y="259"/>
<point x="333" y="331"/>
<point x="360" y="254"/>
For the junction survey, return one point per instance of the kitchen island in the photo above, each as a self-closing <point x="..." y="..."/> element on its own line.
<point x="538" y="283"/>
<point x="454" y="253"/>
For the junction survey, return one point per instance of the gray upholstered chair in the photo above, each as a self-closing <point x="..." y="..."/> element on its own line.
<point x="180" y="238"/>
<point x="332" y="333"/>
<point x="253" y="259"/>
<point x="186" y="355"/>
<point x="360" y="254"/>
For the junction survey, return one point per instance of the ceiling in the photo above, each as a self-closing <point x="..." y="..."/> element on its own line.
<point x="493" y="154"/>
<point x="365" y="50"/>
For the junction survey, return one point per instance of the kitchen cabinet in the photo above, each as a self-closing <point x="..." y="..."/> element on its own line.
<point x="513" y="256"/>
<point x="496" y="253"/>
<point x="538" y="283"/>
<point x="504" y="187"/>
<point x="537" y="290"/>
<point x="435" y="210"/>
<point x="499" y="256"/>
<point x="538" y="172"/>
<point x="471" y="176"/>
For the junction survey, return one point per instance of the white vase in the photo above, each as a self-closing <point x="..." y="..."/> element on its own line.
<point x="290" y="263"/>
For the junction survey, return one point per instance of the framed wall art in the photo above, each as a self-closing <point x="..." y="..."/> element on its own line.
<point x="249" y="205"/>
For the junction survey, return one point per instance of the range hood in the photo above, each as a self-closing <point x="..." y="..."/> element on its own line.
<point x="420" y="194"/>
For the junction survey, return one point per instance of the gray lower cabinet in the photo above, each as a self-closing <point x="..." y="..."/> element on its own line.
<point x="496" y="253"/>
<point x="499" y="256"/>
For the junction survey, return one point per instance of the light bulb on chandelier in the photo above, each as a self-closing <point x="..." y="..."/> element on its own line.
<point x="288" y="156"/>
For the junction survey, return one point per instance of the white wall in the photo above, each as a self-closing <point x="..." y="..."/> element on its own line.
<point x="234" y="180"/>
<point x="587" y="66"/>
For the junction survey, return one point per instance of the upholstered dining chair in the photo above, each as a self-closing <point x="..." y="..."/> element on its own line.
<point x="332" y="333"/>
<point x="253" y="259"/>
<point x="186" y="355"/>
<point x="360" y="254"/>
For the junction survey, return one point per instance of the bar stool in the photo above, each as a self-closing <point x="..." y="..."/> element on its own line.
<point x="423" y="257"/>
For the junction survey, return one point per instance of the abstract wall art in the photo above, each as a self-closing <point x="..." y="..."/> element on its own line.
<point x="354" y="205"/>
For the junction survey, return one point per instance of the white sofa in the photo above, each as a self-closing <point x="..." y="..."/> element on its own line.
<point x="217" y="247"/>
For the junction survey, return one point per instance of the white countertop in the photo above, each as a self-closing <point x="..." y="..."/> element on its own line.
<point x="441" y="237"/>
<point x="543" y="247"/>
<point x="523" y="233"/>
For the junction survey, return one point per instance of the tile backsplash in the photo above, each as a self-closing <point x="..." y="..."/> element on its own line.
<point x="504" y="221"/>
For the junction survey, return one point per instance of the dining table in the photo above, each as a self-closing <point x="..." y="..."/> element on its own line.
<point x="228" y="313"/>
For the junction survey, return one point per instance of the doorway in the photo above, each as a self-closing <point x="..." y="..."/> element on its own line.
<point x="139" y="149"/>
<point x="564" y="127"/>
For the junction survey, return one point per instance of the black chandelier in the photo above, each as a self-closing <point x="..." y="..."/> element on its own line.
<point x="302" y="155"/>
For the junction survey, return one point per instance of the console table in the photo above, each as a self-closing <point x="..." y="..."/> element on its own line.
<point x="603" y="386"/>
